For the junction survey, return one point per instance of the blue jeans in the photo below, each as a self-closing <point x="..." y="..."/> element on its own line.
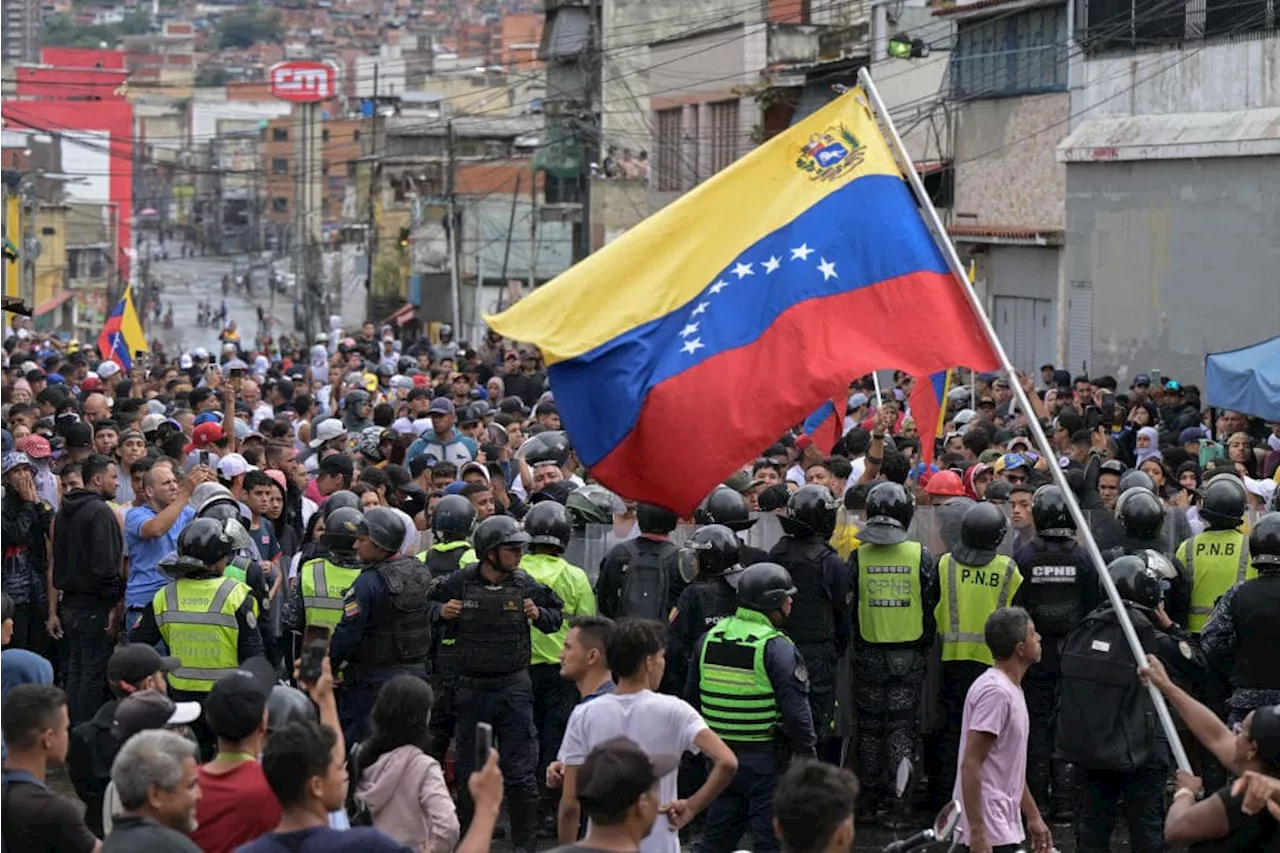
<point x="746" y="804"/>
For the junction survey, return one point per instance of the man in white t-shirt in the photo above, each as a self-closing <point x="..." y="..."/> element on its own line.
<point x="659" y="724"/>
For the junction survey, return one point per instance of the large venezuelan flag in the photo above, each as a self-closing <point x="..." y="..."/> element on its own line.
<point x="122" y="333"/>
<point x="682" y="348"/>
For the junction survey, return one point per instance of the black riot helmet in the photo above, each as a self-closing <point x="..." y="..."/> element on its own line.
<point x="1223" y="503"/>
<point x="339" y="499"/>
<point x="811" y="511"/>
<point x="201" y="544"/>
<point x="889" y="513"/>
<point x="1137" y="583"/>
<point x="1136" y="479"/>
<point x="495" y="532"/>
<point x="765" y="587"/>
<point x="454" y="517"/>
<point x="715" y="548"/>
<point x="549" y="446"/>
<point x="288" y="705"/>
<point x="1141" y="513"/>
<point x="651" y="518"/>
<point x="1050" y="514"/>
<point x="384" y="528"/>
<point x="725" y="506"/>
<point x="547" y="523"/>
<point x="220" y="508"/>
<point x="1264" y="542"/>
<point x="982" y="529"/>
<point x="341" y="528"/>
<point x="590" y="504"/>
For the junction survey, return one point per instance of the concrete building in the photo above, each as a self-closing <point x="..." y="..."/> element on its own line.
<point x="340" y="153"/>
<point x="1010" y="106"/>
<point x="1173" y="191"/>
<point x="20" y="31"/>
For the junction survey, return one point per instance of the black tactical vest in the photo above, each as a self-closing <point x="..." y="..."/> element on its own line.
<point x="401" y="634"/>
<point x="441" y="564"/>
<point x="1054" y="587"/>
<point x="1255" y="610"/>
<point x="493" y="632"/>
<point x="717" y="600"/>
<point x="812" y="620"/>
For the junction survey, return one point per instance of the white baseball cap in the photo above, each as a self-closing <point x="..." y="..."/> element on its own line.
<point x="107" y="369"/>
<point x="233" y="465"/>
<point x="327" y="430"/>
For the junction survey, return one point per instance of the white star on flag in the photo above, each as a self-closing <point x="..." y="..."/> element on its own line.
<point x="701" y="308"/>
<point x="742" y="270"/>
<point x="718" y="286"/>
<point x="692" y="346"/>
<point x="827" y="269"/>
<point x="688" y="330"/>
<point x="801" y="253"/>
<point x="772" y="264"/>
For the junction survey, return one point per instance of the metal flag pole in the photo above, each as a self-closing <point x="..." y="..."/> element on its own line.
<point x="1059" y="477"/>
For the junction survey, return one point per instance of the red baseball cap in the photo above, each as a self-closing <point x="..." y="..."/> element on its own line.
<point x="35" y="446"/>
<point x="203" y="435"/>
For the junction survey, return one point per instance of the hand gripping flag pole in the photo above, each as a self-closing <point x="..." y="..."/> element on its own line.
<point x="1042" y="441"/>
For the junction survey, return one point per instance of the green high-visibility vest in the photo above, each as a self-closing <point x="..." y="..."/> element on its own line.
<point x="736" y="694"/>
<point x="890" y="607"/>
<point x="324" y="586"/>
<point x="1217" y="561"/>
<point x="969" y="595"/>
<point x="197" y="618"/>
<point x="468" y="557"/>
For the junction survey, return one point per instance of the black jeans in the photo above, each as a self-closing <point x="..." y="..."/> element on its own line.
<point x="89" y="648"/>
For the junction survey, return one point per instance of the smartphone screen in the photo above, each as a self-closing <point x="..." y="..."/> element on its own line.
<point x="484" y="743"/>
<point x="315" y="645"/>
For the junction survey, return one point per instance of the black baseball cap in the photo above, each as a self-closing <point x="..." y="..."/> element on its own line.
<point x="132" y="664"/>
<point x="336" y="463"/>
<point x="78" y="434"/>
<point x="235" y="705"/>
<point x="1264" y="731"/>
<point x="617" y="772"/>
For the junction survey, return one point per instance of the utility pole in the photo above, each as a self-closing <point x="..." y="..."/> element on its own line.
<point x="452" y="232"/>
<point x="511" y="229"/>
<point x="533" y="232"/>
<point x="590" y="130"/>
<point x="371" y="225"/>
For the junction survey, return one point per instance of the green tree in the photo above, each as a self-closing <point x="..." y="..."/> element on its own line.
<point x="242" y="30"/>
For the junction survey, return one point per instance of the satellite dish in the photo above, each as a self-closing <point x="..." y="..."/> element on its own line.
<point x="31" y="248"/>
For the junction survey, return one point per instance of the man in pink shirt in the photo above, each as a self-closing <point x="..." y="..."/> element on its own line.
<point x="991" y="781"/>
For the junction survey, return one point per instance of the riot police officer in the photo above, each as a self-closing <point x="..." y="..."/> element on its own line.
<point x="820" y="627"/>
<point x="749" y="681"/>
<point x="974" y="581"/>
<point x="1243" y="633"/>
<point x="1060" y="586"/>
<point x="493" y="604"/>
<point x="323" y="582"/>
<point x="550" y="530"/>
<point x="207" y="620"/>
<point x="711" y="558"/>
<point x="640" y="577"/>
<point x="386" y="624"/>
<point x="727" y="507"/>
<point x="1143" y="518"/>
<point x="451" y="523"/>
<point x="1218" y="558"/>
<point x="895" y="591"/>
<point x="1105" y="730"/>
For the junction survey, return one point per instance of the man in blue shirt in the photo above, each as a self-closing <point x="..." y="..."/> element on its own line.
<point x="444" y="441"/>
<point x="151" y="532"/>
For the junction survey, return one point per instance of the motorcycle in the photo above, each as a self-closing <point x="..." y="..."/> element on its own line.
<point x="943" y="826"/>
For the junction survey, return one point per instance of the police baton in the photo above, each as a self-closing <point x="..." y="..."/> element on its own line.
<point x="1042" y="441"/>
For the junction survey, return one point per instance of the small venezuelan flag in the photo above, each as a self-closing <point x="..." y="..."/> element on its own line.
<point x="679" y="350"/>
<point x="122" y="334"/>
<point x="929" y="408"/>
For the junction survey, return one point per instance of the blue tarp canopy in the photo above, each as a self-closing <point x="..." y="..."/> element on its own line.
<point x="1245" y="380"/>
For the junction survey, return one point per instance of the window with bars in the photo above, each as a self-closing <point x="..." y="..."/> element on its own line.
<point x="667" y="162"/>
<point x="1022" y="54"/>
<point x="1125" y="25"/>
<point x="723" y="135"/>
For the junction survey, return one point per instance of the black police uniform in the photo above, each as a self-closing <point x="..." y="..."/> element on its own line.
<point x="1101" y="790"/>
<point x="1242" y="638"/>
<point x="702" y="604"/>
<point x="1177" y="599"/>
<point x="385" y="632"/>
<point x="493" y="649"/>
<point x="819" y="621"/>
<point x="749" y="555"/>
<point x="1060" y="586"/>
<point x="444" y="670"/>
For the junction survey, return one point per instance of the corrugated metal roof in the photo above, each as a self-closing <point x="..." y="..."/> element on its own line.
<point x="1174" y="136"/>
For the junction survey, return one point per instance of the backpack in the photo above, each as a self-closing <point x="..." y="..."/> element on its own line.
<point x="644" y="584"/>
<point x="1105" y="717"/>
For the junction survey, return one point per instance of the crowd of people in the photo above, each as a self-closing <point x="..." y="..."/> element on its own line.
<point x="290" y="601"/>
